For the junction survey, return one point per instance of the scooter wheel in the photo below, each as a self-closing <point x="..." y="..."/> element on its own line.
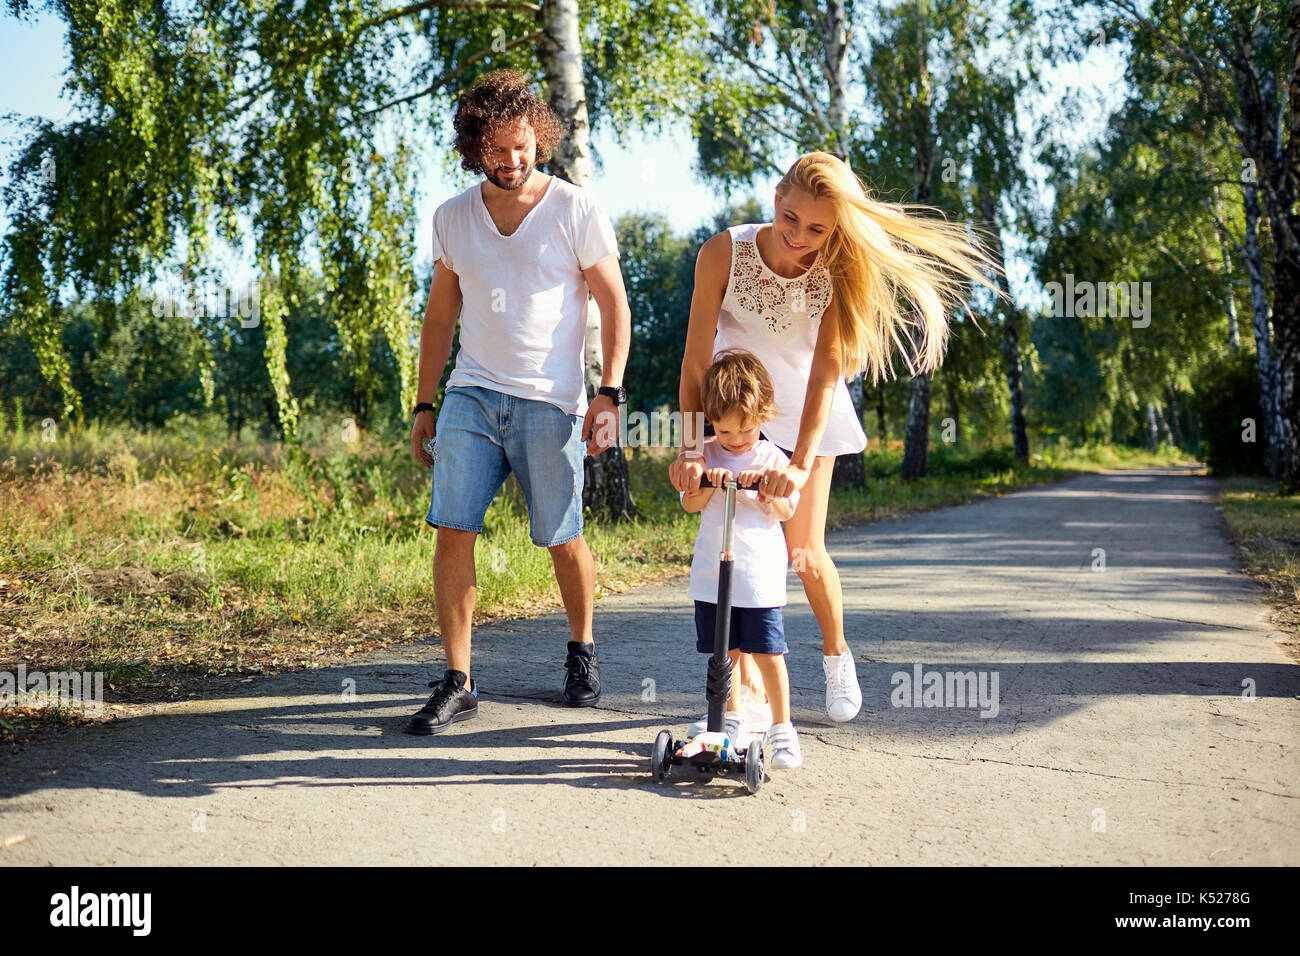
<point x="661" y="760"/>
<point x="754" y="767"/>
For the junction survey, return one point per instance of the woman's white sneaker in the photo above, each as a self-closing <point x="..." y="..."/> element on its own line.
<point x="782" y="747"/>
<point x="843" y="695"/>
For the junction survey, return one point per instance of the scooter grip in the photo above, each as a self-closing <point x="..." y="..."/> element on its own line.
<point x="705" y="483"/>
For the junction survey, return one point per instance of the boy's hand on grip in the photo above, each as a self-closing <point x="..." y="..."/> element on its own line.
<point x="719" y="476"/>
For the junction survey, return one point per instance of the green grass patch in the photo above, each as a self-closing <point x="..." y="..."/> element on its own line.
<point x="1266" y="529"/>
<point x="185" y="551"/>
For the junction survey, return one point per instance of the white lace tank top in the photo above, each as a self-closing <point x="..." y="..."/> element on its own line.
<point x="777" y="319"/>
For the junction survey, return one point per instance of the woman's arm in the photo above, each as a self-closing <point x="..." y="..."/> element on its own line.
<point x="712" y="266"/>
<point x="823" y="379"/>
<point x="783" y="508"/>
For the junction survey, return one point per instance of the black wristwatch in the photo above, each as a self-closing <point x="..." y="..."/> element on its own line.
<point x="617" y="392"/>
<point x="420" y="407"/>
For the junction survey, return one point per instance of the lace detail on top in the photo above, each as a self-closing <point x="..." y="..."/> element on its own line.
<point x="781" y="303"/>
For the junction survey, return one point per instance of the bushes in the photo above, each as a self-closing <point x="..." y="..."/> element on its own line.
<point x="947" y="460"/>
<point x="1227" y="402"/>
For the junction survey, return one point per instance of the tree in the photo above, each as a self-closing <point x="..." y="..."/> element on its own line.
<point x="1243" y="57"/>
<point x="925" y="79"/>
<point x="237" y="119"/>
<point x="1133" y="320"/>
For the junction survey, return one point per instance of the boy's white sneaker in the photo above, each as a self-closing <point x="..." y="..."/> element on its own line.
<point x="843" y="695"/>
<point x="782" y="747"/>
<point x="758" y="717"/>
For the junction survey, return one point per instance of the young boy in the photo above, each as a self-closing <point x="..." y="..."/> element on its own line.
<point x="736" y="396"/>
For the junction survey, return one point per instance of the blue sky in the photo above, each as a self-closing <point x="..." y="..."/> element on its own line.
<point x="32" y="57"/>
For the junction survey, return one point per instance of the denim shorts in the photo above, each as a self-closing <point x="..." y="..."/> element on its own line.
<point x="481" y="437"/>
<point x="754" y="630"/>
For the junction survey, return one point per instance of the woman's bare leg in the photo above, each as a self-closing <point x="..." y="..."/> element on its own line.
<point x="805" y="539"/>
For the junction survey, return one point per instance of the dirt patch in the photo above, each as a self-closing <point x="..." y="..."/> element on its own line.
<point x="115" y="585"/>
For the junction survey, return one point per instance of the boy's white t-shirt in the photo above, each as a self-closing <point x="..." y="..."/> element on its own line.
<point x="758" y="542"/>
<point x="523" y="321"/>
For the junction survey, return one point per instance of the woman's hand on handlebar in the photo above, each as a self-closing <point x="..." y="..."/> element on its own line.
<point x="685" y="473"/>
<point x="783" y="482"/>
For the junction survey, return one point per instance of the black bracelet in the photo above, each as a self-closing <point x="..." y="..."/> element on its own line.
<point x="422" y="406"/>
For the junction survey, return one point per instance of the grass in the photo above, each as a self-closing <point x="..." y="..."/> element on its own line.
<point x="1266" y="530"/>
<point x="166" y="557"/>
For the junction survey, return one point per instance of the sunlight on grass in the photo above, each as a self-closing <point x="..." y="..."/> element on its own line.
<point x="1267" y="529"/>
<point x="186" y="549"/>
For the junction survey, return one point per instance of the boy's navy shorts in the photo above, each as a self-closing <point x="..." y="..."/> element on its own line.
<point x="754" y="630"/>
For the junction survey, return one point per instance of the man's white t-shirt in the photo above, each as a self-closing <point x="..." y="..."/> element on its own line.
<point x="758" y="542"/>
<point x="523" y="321"/>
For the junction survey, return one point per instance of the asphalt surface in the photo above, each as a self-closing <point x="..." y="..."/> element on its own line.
<point x="1125" y="729"/>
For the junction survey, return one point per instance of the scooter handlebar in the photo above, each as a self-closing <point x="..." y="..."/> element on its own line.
<point x="705" y="483"/>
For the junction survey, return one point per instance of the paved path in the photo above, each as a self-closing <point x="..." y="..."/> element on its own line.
<point x="1122" y="734"/>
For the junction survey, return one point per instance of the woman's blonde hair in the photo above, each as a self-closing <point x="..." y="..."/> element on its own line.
<point x="890" y="271"/>
<point x="737" y="382"/>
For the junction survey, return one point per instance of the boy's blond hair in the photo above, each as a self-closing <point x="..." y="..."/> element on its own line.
<point x="737" y="382"/>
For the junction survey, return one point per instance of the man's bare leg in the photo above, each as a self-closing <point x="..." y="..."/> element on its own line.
<point x="575" y="573"/>
<point x="454" y="594"/>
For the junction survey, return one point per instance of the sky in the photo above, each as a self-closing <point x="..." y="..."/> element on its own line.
<point x="658" y="169"/>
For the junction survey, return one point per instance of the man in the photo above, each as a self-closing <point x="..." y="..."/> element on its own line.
<point x="516" y="255"/>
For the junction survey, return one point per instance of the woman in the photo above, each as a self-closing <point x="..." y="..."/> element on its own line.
<point x="820" y="295"/>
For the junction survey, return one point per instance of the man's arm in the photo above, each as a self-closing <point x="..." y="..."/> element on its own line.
<point x="440" y="314"/>
<point x="605" y="279"/>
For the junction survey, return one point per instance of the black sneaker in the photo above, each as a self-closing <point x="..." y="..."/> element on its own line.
<point x="582" y="684"/>
<point x="449" y="702"/>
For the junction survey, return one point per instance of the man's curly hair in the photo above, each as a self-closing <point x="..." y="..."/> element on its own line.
<point x="494" y="101"/>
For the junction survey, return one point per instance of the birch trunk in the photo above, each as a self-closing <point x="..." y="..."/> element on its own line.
<point x="606" y="489"/>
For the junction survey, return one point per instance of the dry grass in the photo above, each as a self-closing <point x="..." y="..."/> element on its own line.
<point x="1266" y="530"/>
<point x="167" y="559"/>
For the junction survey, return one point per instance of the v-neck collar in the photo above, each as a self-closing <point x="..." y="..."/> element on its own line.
<point x="482" y="204"/>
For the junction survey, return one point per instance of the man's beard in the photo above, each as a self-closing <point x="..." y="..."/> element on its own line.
<point x="497" y="180"/>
